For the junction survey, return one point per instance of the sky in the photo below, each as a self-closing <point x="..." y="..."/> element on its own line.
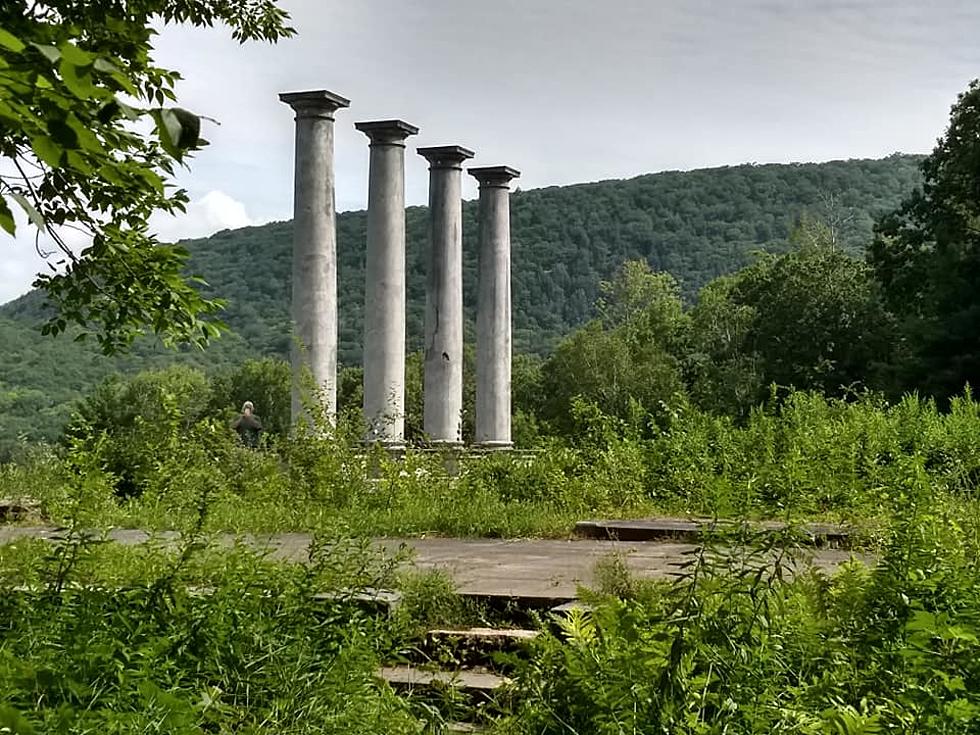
<point x="566" y="91"/>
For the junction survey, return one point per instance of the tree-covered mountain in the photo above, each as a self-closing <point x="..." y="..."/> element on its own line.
<point x="696" y="224"/>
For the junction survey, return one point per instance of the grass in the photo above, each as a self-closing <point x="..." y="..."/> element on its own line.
<point x="813" y="459"/>
<point x="736" y="644"/>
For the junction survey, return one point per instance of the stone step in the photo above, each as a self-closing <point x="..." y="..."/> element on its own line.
<point x="484" y="648"/>
<point x="414" y="677"/>
<point x="464" y="727"/>
<point x="694" y="529"/>
<point x="19" y="509"/>
<point x="369" y="599"/>
<point x="494" y="635"/>
<point x="566" y="607"/>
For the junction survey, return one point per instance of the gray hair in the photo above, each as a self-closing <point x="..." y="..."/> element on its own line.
<point x="247" y="406"/>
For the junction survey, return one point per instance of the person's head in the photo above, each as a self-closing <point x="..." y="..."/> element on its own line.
<point x="247" y="407"/>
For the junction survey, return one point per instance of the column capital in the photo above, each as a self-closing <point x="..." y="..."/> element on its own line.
<point x="314" y="103"/>
<point x="445" y="156"/>
<point x="387" y="132"/>
<point x="494" y="176"/>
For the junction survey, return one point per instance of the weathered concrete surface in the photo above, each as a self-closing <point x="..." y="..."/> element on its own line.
<point x="384" y="294"/>
<point x="19" y="509"/>
<point x="694" y="529"/>
<point x="493" y="310"/>
<point x="412" y="677"/>
<point x="443" y="383"/>
<point x="536" y="569"/>
<point x="314" y="278"/>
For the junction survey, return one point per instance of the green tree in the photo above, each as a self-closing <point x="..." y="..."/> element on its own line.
<point x="812" y="318"/>
<point x="77" y="82"/>
<point x="927" y="256"/>
<point x="623" y="362"/>
<point x="723" y="374"/>
<point x="819" y="320"/>
<point x="133" y="421"/>
<point x="266" y="383"/>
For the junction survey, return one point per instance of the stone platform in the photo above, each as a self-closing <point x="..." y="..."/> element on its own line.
<point x="692" y="530"/>
<point x="538" y="572"/>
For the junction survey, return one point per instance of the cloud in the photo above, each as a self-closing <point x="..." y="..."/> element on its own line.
<point x="25" y="255"/>
<point x="18" y="267"/>
<point x="204" y="216"/>
<point x="20" y="262"/>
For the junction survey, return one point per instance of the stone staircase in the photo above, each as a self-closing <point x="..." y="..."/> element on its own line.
<point x="463" y="673"/>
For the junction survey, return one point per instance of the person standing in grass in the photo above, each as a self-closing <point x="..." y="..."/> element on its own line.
<point x="248" y="426"/>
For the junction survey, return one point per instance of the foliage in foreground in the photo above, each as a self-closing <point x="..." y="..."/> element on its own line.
<point x="78" y="86"/>
<point x="153" y="651"/>
<point x="748" y="641"/>
<point x="739" y="645"/>
<point x="805" y="455"/>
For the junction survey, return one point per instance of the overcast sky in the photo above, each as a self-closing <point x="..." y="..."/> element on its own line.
<point x="564" y="90"/>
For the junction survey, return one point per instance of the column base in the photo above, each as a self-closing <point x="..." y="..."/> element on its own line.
<point x="493" y="446"/>
<point x="389" y="445"/>
<point x="449" y="445"/>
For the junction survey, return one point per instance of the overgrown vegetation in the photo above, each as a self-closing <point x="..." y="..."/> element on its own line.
<point x="179" y="635"/>
<point x="696" y="225"/>
<point x="807" y="385"/>
<point x="803" y="455"/>
<point x="749" y="641"/>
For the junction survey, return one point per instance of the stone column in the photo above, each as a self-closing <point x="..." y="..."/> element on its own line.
<point x="493" y="319"/>
<point x="314" y="279"/>
<point x="443" y="389"/>
<point x="384" y="294"/>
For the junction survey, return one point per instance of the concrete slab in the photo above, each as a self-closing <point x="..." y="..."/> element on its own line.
<point x="19" y="509"/>
<point x="413" y="677"/>
<point x="692" y="530"/>
<point x="537" y="571"/>
<point x="484" y="634"/>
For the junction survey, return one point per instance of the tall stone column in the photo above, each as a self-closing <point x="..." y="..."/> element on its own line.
<point x="493" y="317"/>
<point x="384" y="294"/>
<point x="443" y="386"/>
<point x="314" y="279"/>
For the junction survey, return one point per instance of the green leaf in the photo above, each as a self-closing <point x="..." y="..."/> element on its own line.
<point x="52" y="54"/>
<point x="130" y="112"/>
<point x="74" y="55"/>
<point x="105" y="66"/>
<point x="78" y="81"/>
<point x="78" y="162"/>
<point x="34" y="215"/>
<point x="85" y="137"/>
<point x="10" y="41"/>
<point x="169" y="129"/>
<point x="47" y="150"/>
<point x="190" y="128"/>
<point x="14" y="722"/>
<point x="7" y="217"/>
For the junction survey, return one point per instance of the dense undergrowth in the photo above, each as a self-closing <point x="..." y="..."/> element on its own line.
<point x="749" y="641"/>
<point x="807" y="457"/>
<point x="189" y="636"/>
<point x="190" y="639"/>
<point x="195" y="632"/>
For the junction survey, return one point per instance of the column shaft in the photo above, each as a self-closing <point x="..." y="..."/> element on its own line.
<point x="493" y="316"/>
<point x="384" y="295"/>
<point x="443" y="383"/>
<point x="314" y="274"/>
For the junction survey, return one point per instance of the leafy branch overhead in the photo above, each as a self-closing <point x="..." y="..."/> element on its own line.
<point x="77" y="83"/>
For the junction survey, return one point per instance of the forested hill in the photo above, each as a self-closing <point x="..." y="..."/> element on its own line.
<point x="695" y="224"/>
